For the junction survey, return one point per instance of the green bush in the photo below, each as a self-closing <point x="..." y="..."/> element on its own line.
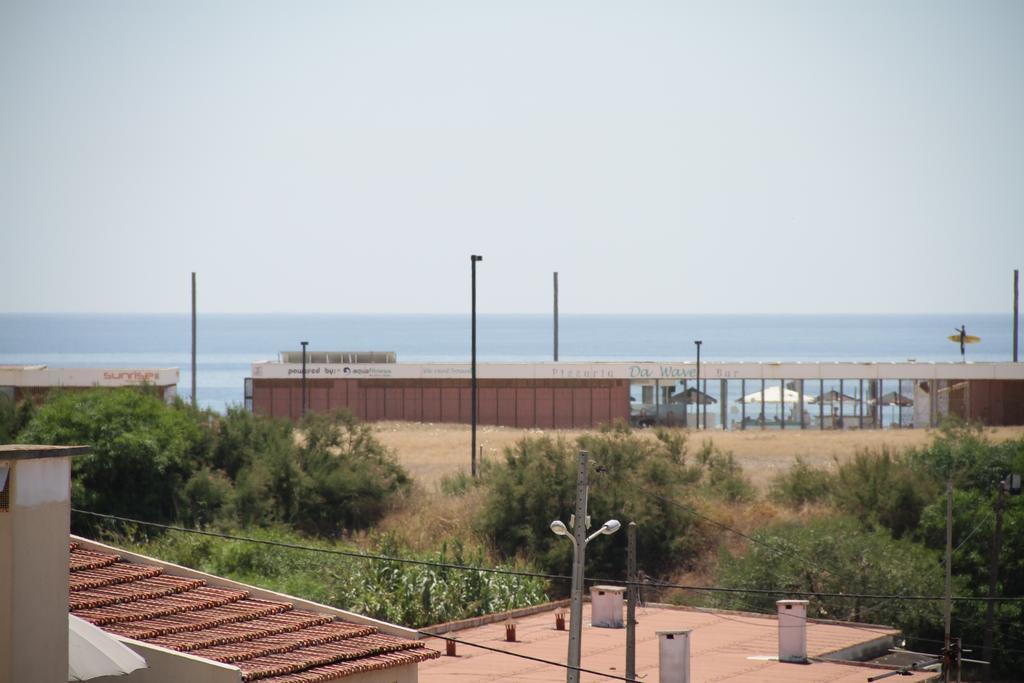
<point x="882" y="488"/>
<point x="209" y="496"/>
<point x="458" y="484"/>
<point x="349" y="479"/>
<point x="724" y="477"/>
<point x="167" y="463"/>
<point x="801" y="485"/>
<point x="836" y="555"/>
<point x="963" y="454"/>
<point x="632" y="479"/>
<point x="143" y="451"/>
<point x="14" y="417"/>
<point x="408" y="594"/>
<point x="242" y="438"/>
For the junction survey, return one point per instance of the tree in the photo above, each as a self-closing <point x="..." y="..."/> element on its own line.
<point x="632" y="479"/>
<point x="143" y="451"/>
<point x="348" y="478"/>
<point x="837" y="555"/>
<point x="14" y="417"/>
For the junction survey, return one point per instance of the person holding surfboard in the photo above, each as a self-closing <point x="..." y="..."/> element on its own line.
<point x="964" y="339"/>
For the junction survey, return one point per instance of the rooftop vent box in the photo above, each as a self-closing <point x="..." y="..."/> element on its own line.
<point x="792" y="631"/>
<point x="606" y="606"/>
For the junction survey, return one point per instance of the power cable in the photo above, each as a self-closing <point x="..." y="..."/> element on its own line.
<point x="329" y="551"/>
<point x="522" y="656"/>
<point x="529" y="574"/>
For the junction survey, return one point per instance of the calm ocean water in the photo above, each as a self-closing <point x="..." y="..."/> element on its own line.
<point x="228" y="344"/>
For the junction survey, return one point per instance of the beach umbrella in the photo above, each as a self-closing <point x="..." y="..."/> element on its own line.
<point x="772" y="395"/>
<point x="831" y="396"/>
<point x="894" y="399"/>
<point x="692" y="395"/>
<point x="92" y="652"/>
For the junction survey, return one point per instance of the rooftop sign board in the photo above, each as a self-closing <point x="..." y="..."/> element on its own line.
<point x="43" y="376"/>
<point x="644" y="371"/>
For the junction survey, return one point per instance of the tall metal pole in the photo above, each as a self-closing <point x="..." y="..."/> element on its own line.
<point x="631" y="595"/>
<point x="556" y="316"/>
<point x="572" y="674"/>
<point x="841" y="410"/>
<point x="743" y="404"/>
<point x="899" y="403"/>
<point x="686" y="404"/>
<point x="1016" y="310"/>
<point x="860" y="405"/>
<point x="949" y="562"/>
<point x="698" y="343"/>
<point x="782" y="404"/>
<point x="304" y="345"/>
<point x="472" y="447"/>
<point x="194" y="340"/>
<point x="763" y="420"/>
<point x="723" y="403"/>
<point x="821" y="404"/>
<point x="993" y="578"/>
<point x="705" y="402"/>
<point x="800" y="403"/>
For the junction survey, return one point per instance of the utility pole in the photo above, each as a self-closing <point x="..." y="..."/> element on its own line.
<point x="556" y="316"/>
<point x="1010" y="485"/>
<point x="472" y="446"/>
<point x="1016" y="309"/>
<point x="304" y="345"/>
<point x="579" y="533"/>
<point x="947" y="651"/>
<point x="194" y="340"/>
<point x="993" y="576"/>
<point x="698" y="343"/>
<point x="579" y="540"/>
<point x="631" y="594"/>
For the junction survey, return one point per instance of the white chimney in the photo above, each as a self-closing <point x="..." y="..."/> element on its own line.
<point x="674" y="656"/>
<point x="792" y="631"/>
<point x="606" y="606"/>
<point x="35" y="509"/>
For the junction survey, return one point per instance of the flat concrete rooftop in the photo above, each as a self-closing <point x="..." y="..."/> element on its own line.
<point x="724" y="646"/>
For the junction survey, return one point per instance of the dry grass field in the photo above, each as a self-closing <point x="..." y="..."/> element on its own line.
<point x="431" y="451"/>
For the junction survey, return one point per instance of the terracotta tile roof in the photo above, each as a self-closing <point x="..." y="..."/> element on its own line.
<point x="269" y="641"/>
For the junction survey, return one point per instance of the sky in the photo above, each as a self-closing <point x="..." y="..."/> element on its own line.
<point x="663" y="157"/>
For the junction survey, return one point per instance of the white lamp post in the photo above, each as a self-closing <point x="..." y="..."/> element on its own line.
<point x="579" y="544"/>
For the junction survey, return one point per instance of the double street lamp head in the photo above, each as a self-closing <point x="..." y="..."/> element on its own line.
<point x="608" y="528"/>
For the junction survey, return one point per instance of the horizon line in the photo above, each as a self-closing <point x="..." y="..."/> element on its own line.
<point x="511" y="313"/>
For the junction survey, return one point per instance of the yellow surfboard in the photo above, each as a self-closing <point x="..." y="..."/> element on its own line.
<point x="968" y="339"/>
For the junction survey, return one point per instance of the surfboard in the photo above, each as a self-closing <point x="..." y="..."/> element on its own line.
<point x="969" y="339"/>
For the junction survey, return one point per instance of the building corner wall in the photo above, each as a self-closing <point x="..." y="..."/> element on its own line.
<point x="34" y="572"/>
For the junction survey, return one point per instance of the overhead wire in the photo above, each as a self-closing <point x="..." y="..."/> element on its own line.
<point x="530" y="574"/>
<point x="523" y="656"/>
<point x="883" y="599"/>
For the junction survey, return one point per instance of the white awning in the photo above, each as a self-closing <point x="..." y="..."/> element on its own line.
<point x="771" y="395"/>
<point x="92" y="652"/>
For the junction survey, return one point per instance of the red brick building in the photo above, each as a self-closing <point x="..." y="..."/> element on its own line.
<point x="585" y="395"/>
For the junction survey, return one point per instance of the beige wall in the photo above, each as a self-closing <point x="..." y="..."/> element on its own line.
<point x="168" y="666"/>
<point x="34" y="572"/>
<point x="399" y="674"/>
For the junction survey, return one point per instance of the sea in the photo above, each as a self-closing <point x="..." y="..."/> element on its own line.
<point x="228" y="344"/>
